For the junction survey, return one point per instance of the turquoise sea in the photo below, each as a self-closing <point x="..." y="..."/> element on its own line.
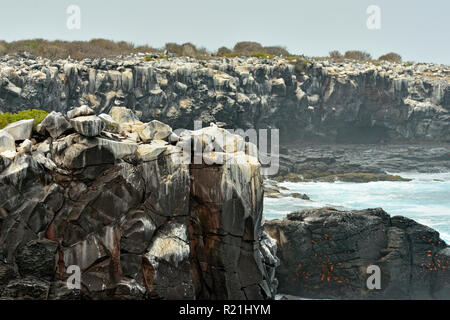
<point x="425" y="199"/>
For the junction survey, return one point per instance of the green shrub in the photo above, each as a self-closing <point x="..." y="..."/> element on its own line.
<point x="174" y="48"/>
<point x="230" y="55"/>
<point x="291" y="58"/>
<point x="7" y="118"/>
<point x="301" y="66"/>
<point x="277" y="51"/>
<point x="335" y="54"/>
<point x="187" y="50"/>
<point x="391" y="57"/>
<point x="247" y="47"/>
<point x="3" y="47"/>
<point x="222" y="51"/>
<point x="79" y="50"/>
<point x="321" y="58"/>
<point x="357" y="55"/>
<point x="150" y="58"/>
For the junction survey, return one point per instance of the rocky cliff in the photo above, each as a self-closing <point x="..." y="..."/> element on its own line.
<point x="145" y="213"/>
<point x="121" y="200"/>
<point x="326" y="253"/>
<point x="308" y="100"/>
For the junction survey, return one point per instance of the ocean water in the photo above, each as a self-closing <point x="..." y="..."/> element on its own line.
<point x="425" y="199"/>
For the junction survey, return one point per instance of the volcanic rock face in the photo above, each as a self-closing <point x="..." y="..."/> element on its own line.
<point x="325" y="253"/>
<point x="20" y="130"/>
<point x="137" y="221"/>
<point x="332" y="101"/>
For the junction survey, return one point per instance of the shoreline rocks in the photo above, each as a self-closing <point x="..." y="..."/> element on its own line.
<point x="324" y="254"/>
<point x="360" y="163"/>
<point x="142" y="224"/>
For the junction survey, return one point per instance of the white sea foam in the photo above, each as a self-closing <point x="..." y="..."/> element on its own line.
<point x="426" y="198"/>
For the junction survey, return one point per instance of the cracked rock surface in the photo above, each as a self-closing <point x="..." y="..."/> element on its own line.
<point x="137" y="221"/>
<point x="325" y="253"/>
<point x="310" y="100"/>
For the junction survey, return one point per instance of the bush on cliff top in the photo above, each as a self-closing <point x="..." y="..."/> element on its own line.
<point x="253" y="49"/>
<point x="391" y="57"/>
<point x="302" y="65"/>
<point x="223" y="51"/>
<point x="75" y="49"/>
<point x="186" y="49"/>
<point x="7" y="118"/>
<point x="261" y="55"/>
<point x="357" y="55"/>
<point x="148" y="58"/>
<point x="96" y="48"/>
<point x="277" y="51"/>
<point x="247" y="47"/>
<point x="335" y="54"/>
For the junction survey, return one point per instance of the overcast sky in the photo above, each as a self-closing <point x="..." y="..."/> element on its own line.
<point x="418" y="30"/>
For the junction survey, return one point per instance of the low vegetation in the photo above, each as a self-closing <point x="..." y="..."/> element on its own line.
<point x="150" y="58"/>
<point x="75" y="49"/>
<point x="391" y="57"/>
<point x="7" y="118"/>
<point x="95" y="48"/>
<point x="357" y="55"/>
<point x="302" y="65"/>
<point x="335" y="54"/>
<point x="262" y="55"/>
<point x="364" y="56"/>
<point x="186" y="49"/>
<point x="247" y="47"/>
<point x="254" y="49"/>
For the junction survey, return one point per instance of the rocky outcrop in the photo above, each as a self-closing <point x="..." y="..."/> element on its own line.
<point x="138" y="221"/>
<point x="360" y="163"/>
<point x="20" y="130"/>
<point x="325" y="253"/>
<point x="308" y="100"/>
<point x="88" y="126"/>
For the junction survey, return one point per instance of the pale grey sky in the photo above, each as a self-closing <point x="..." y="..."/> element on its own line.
<point x="416" y="29"/>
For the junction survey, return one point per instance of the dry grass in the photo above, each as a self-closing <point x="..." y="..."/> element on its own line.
<point x="99" y="48"/>
<point x="75" y="49"/>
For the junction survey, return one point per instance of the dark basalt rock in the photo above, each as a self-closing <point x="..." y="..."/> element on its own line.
<point x="312" y="100"/>
<point x="37" y="258"/>
<point x="138" y="227"/>
<point x="26" y="288"/>
<point x="325" y="253"/>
